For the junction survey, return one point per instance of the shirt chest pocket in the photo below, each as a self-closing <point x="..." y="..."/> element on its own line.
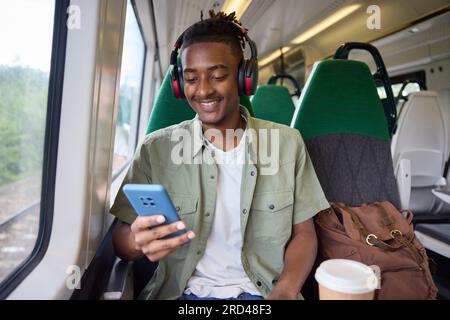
<point x="271" y="216"/>
<point x="186" y="207"/>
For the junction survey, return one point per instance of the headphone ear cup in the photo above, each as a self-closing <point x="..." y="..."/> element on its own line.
<point x="248" y="77"/>
<point x="176" y="77"/>
<point x="241" y="77"/>
<point x="253" y="75"/>
<point x="181" y="81"/>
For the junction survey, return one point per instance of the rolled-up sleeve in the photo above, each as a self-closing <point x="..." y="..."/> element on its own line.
<point x="138" y="173"/>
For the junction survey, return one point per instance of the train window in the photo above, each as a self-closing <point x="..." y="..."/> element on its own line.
<point x="133" y="60"/>
<point x="409" y="88"/>
<point x="25" y="60"/>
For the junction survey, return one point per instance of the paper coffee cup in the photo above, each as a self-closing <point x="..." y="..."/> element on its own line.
<point x="342" y="279"/>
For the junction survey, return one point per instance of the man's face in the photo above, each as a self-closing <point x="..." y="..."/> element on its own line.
<point x="210" y="81"/>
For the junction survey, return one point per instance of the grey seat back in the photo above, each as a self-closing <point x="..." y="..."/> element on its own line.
<point x="421" y="138"/>
<point x="354" y="169"/>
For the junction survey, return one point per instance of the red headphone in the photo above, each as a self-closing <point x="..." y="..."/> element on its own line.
<point x="247" y="71"/>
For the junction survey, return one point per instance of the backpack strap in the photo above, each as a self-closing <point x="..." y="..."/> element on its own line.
<point x="370" y="238"/>
<point x="398" y="236"/>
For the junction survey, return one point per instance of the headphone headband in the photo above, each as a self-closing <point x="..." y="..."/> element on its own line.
<point x="244" y="32"/>
<point x="247" y="72"/>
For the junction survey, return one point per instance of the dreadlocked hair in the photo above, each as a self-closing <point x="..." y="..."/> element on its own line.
<point x="217" y="28"/>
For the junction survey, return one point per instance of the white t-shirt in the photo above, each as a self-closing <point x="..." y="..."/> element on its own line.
<point x="219" y="273"/>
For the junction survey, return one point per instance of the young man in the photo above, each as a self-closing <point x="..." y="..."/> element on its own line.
<point x="250" y="233"/>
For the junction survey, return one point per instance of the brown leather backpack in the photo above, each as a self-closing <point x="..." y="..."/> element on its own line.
<point x="379" y="235"/>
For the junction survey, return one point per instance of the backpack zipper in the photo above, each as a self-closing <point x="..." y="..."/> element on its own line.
<point x="397" y="269"/>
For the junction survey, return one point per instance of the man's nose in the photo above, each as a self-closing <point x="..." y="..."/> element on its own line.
<point x="205" y="89"/>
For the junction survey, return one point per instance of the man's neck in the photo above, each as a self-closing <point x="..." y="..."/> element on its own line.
<point x="231" y="132"/>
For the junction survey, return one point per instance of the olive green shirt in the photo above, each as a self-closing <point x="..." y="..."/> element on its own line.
<point x="275" y="195"/>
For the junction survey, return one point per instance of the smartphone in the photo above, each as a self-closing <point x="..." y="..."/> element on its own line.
<point x="152" y="199"/>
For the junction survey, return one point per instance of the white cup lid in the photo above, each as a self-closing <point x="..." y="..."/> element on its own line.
<point x="345" y="276"/>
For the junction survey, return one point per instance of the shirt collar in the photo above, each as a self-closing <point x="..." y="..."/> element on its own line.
<point x="200" y="140"/>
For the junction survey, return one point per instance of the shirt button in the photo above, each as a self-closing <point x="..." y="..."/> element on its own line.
<point x="178" y="209"/>
<point x="244" y="211"/>
<point x="258" y="283"/>
<point x="212" y="177"/>
<point x="252" y="173"/>
<point x="207" y="214"/>
<point x="199" y="252"/>
<point x="271" y="207"/>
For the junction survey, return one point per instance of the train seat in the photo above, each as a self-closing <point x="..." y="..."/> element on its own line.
<point x="421" y="138"/>
<point x="273" y="103"/>
<point x="435" y="237"/>
<point x="342" y="121"/>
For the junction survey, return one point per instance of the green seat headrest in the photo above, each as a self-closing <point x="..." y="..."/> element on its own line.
<point x="340" y="97"/>
<point x="273" y="103"/>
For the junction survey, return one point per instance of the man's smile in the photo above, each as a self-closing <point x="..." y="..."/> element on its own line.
<point x="208" y="104"/>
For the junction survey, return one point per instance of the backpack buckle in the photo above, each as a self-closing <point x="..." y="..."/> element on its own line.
<point x="368" y="239"/>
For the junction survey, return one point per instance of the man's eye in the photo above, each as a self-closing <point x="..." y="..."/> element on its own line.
<point x="191" y="80"/>
<point x="219" y="78"/>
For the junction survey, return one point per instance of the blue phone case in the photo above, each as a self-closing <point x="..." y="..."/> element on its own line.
<point x="151" y="199"/>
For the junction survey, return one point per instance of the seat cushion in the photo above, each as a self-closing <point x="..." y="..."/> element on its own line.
<point x="440" y="232"/>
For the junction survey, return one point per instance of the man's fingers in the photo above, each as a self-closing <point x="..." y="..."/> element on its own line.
<point x="159" y="255"/>
<point x="158" y="249"/>
<point x="144" y="222"/>
<point x="156" y="233"/>
<point x="162" y="231"/>
<point x="151" y="241"/>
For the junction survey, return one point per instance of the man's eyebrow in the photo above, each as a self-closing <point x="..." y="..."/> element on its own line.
<point x="212" y="68"/>
<point x="218" y="66"/>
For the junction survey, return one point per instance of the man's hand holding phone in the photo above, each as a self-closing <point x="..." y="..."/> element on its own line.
<point x="147" y="233"/>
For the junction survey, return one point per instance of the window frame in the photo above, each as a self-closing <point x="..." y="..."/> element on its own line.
<point x="417" y="76"/>
<point x="52" y="127"/>
<point x="119" y="171"/>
